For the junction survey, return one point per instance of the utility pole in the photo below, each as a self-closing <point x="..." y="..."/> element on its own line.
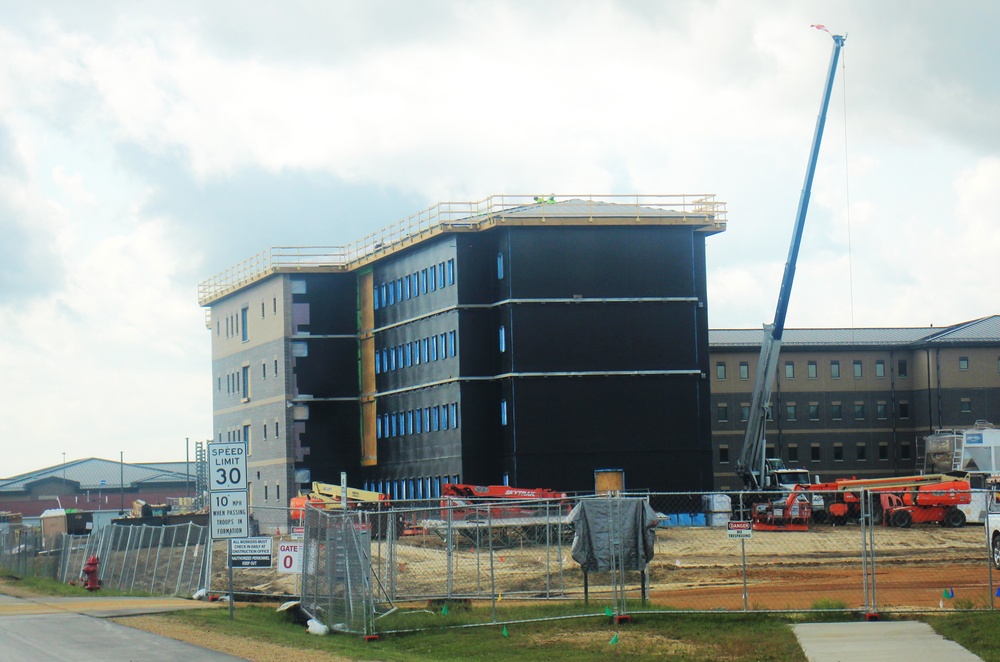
<point x="121" y="482"/>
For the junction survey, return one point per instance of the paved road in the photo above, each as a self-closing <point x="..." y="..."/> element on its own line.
<point x="42" y="629"/>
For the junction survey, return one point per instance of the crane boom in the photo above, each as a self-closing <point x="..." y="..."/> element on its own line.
<point x="752" y="465"/>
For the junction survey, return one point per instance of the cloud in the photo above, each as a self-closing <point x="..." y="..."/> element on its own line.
<point x="144" y="148"/>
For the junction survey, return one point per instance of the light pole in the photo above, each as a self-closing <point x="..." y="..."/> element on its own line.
<point x="121" y="482"/>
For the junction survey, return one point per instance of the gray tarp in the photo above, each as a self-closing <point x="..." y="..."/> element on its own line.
<point x="613" y="534"/>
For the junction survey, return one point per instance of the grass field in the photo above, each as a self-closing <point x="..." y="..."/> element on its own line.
<point x="259" y="632"/>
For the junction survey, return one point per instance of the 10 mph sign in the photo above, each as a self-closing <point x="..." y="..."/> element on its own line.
<point x="227" y="465"/>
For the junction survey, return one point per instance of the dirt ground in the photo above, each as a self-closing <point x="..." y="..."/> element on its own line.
<point x="701" y="568"/>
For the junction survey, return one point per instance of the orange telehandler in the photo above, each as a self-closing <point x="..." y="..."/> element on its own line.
<point x="898" y="501"/>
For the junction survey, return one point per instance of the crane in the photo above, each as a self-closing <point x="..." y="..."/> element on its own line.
<point x="756" y="470"/>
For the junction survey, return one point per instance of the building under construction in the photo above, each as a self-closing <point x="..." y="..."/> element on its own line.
<point x="514" y="340"/>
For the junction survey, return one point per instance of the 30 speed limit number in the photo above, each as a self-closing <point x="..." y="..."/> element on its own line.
<point x="227" y="464"/>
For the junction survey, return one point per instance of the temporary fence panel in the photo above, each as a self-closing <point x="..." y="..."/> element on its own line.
<point x="336" y="570"/>
<point x="156" y="560"/>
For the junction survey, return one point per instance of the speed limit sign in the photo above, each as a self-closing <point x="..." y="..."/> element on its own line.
<point x="227" y="463"/>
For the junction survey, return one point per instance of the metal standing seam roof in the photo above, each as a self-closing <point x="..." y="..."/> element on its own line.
<point x="985" y="330"/>
<point x="89" y="473"/>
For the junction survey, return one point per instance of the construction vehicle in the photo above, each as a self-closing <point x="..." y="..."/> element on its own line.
<point x="970" y="452"/>
<point x="501" y="515"/>
<point x="758" y="471"/>
<point x="897" y="501"/>
<point x="790" y="512"/>
<point x="472" y="502"/>
<point x="327" y="496"/>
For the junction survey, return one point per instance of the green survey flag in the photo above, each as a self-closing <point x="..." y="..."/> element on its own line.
<point x="444" y="609"/>
<point x="608" y="612"/>
<point x="504" y="631"/>
<point x="614" y="639"/>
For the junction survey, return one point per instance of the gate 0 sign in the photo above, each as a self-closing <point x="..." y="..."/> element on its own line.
<point x="227" y="466"/>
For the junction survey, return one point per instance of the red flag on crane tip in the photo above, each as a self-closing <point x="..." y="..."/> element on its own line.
<point x="820" y="26"/>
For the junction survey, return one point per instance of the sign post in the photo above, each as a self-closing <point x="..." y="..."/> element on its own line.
<point x="742" y="530"/>
<point x="229" y="505"/>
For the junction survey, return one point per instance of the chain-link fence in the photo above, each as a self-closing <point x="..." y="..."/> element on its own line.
<point x="868" y="552"/>
<point x="158" y="560"/>
<point x="23" y="553"/>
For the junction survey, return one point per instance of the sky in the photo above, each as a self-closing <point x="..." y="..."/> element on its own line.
<point x="145" y="147"/>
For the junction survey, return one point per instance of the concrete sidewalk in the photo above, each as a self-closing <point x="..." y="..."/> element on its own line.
<point x="878" y="641"/>
<point x="97" y="605"/>
<point x="46" y="628"/>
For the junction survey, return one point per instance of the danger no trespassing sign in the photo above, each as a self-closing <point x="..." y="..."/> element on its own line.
<point x="740" y="529"/>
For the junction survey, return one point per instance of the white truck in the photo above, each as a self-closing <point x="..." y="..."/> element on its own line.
<point x="993" y="521"/>
<point x="973" y="453"/>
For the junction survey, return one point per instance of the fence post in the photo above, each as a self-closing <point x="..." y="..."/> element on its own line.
<point x="138" y="553"/>
<point x="449" y="549"/>
<point x="180" y="571"/>
<point x="128" y="545"/>
<point x="493" y="582"/>
<point x="548" y="550"/>
<point x="391" y="544"/>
